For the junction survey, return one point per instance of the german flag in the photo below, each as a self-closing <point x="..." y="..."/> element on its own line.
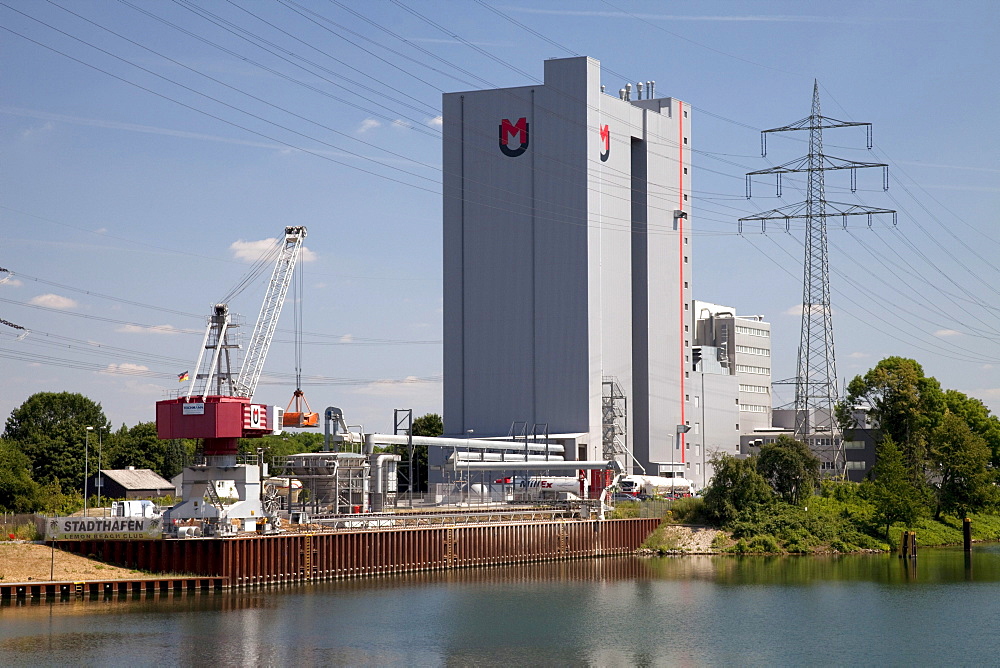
<point x="181" y="377"/>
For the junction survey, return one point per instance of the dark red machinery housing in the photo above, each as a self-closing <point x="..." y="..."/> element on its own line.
<point x="219" y="420"/>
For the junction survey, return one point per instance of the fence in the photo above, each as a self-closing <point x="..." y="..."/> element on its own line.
<point x="23" y="526"/>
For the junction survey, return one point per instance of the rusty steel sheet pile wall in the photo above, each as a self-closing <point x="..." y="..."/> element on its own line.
<point x="252" y="560"/>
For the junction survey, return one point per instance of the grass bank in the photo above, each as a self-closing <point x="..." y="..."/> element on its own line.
<point x="825" y="524"/>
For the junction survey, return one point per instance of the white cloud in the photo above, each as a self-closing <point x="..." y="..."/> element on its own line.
<point x="251" y="251"/>
<point x="125" y="369"/>
<point x="151" y="329"/>
<point x="368" y="124"/>
<point x="858" y="356"/>
<point x="411" y="386"/>
<point x="400" y="123"/>
<point x="53" y="301"/>
<point x="436" y="122"/>
<point x="947" y="332"/>
<point x="347" y="338"/>
<point x="987" y="367"/>
<point x="10" y="282"/>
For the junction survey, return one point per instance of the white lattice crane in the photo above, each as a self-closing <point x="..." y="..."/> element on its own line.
<point x="227" y="414"/>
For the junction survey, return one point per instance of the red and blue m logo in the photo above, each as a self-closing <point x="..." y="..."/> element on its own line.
<point x="517" y="131"/>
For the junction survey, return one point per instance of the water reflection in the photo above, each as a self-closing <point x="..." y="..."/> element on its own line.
<point x="698" y="610"/>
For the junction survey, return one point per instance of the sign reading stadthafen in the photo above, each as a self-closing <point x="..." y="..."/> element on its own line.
<point x="103" y="528"/>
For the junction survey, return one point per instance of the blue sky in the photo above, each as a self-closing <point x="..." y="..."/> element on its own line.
<point x="149" y="148"/>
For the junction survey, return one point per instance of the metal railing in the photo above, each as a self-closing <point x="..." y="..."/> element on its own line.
<point x="440" y="519"/>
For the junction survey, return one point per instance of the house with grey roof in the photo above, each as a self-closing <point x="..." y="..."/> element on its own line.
<point x="130" y="483"/>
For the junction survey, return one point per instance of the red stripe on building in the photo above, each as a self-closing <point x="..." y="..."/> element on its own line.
<point x="680" y="256"/>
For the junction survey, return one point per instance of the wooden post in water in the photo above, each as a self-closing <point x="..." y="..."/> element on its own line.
<point x="913" y="545"/>
<point x="967" y="534"/>
<point x="904" y="544"/>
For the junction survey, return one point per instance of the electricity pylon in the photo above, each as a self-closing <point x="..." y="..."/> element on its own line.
<point x="816" y="392"/>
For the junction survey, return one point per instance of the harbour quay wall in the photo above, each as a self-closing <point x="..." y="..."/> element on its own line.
<point x="301" y="557"/>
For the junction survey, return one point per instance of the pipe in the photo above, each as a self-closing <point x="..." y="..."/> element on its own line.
<point x="501" y="457"/>
<point x="532" y="465"/>
<point x="335" y="415"/>
<point x="372" y="440"/>
<point x="377" y="476"/>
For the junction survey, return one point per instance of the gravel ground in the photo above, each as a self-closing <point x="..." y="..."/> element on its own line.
<point x="689" y="540"/>
<point x="31" y="562"/>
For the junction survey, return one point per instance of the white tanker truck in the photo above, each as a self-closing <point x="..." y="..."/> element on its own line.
<point x="653" y="485"/>
<point x="564" y="488"/>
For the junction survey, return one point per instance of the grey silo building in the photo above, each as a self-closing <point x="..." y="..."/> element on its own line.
<point x="567" y="262"/>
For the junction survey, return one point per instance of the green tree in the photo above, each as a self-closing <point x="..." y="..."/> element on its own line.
<point x="962" y="478"/>
<point x="135" y="446"/>
<point x="51" y="429"/>
<point x="978" y="417"/>
<point x="891" y="490"/>
<point x="140" y="447"/>
<point x="283" y="445"/>
<point x="18" y="492"/>
<point x="430" y="424"/>
<point x="180" y="453"/>
<point x="53" y="501"/>
<point x="903" y="403"/>
<point x="790" y="468"/>
<point x="736" y="485"/>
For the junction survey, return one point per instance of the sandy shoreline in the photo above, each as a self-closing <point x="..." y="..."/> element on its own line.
<point x="34" y="562"/>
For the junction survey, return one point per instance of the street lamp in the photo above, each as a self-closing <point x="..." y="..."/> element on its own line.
<point x="100" y="479"/>
<point x="86" y="467"/>
<point x="681" y="430"/>
<point x="468" y="456"/>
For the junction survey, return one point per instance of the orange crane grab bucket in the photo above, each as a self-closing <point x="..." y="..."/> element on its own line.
<point x="298" y="417"/>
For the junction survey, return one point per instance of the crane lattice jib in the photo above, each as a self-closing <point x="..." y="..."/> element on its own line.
<point x="267" y="321"/>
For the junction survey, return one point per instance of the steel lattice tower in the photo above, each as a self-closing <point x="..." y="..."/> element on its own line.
<point x="816" y="392"/>
<point x="816" y="377"/>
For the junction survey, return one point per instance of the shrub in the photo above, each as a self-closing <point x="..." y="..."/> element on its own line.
<point x="624" y="510"/>
<point x="760" y="544"/>
<point x="689" y="510"/>
<point x="721" y="541"/>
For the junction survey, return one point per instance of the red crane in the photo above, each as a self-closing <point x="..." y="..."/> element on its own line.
<point x="217" y="406"/>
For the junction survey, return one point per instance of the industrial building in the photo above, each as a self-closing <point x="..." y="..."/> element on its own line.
<point x="567" y="277"/>
<point x="567" y="261"/>
<point x="568" y="309"/>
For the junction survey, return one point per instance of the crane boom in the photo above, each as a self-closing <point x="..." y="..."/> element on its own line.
<point x="267" y="321"/>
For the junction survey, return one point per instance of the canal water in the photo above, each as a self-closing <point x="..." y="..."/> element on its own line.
<point x="672" y="611"/>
